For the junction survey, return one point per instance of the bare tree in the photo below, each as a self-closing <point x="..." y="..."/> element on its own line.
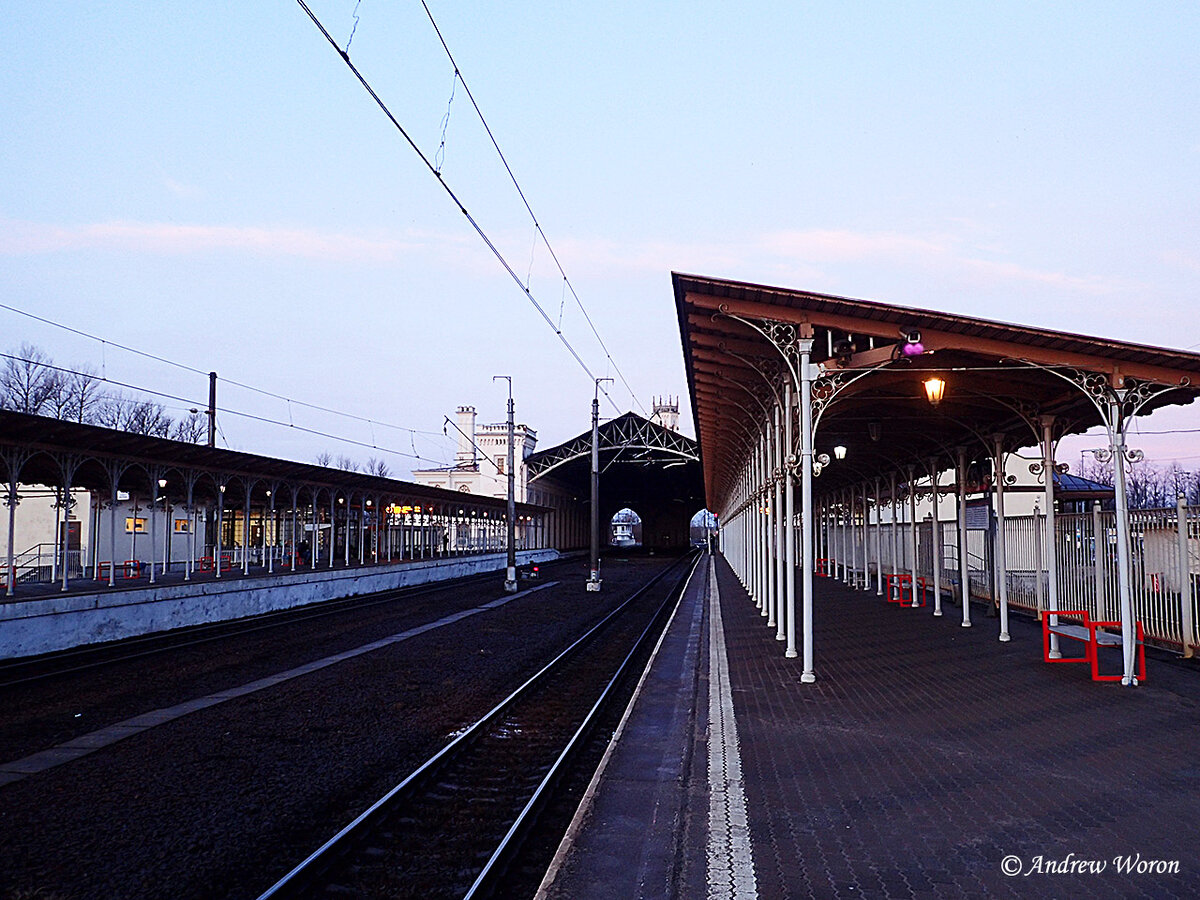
<point x="1193" y="488"/>
<point x="345" y="463"/>
<point x="28" y="383"/>
<point x="1094" y="470"/>
<point x="193" y="429"/>
<point x="324" y="458"/>
<point x="1177" y="479"/>
<point x="377" y="467"/>
<point x="1148" y="486"/>
<point x="80" y="395"/>
<point x="135" y="416"/>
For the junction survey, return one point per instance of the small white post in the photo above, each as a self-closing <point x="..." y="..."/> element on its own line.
<point x="11" y="501"/>
<point x="771" y="594"/>
<point x="866" y="535"/>
<point x="789" y="518"/>
<point x="763" y="511"/>
<point x="191" y="535"/>
<point x="809" y="675"/>
<point x="1000" y="553"/>
<point x="1124" y="554"/>
<point x="1039" y="591"/>
<point x="1185" y="576"/>
<point x="246" y="534"/>
<point x="935" y="544"/>
<point x="153" y="519"/>
<point x="783" y="521"/>
<point x="112" y="530"/>
<point x="878" y="541"/>
<point x="912" y="528"/>
<point x="275" y="529"/>
<point x="964" y="567"/>
<point x="895" y="564"/>
<point x="1099" y="554"/>
<point x="1051" y="533"/>
<point x="217" y="538"/>
<point x="852" y="535"/>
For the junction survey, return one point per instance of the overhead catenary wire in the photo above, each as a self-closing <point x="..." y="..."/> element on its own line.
<point x="536" y="224"/>
<point x="224" y="410"/>
<point x="105" y="342"/>
<point x="483" y="235"/>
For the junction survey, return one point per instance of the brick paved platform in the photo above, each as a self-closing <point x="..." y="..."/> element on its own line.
<point x="927" y="753"/>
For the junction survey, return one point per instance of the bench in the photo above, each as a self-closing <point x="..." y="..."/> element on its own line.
<point x="130" y="569"/>
<point x="205" y="563"/>
<point x="899" y="588"/>
<point x="823" y="566"/>
<point x="1089" y="633"/>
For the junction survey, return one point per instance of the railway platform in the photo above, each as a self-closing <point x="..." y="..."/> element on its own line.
<point x="928" y="760"/>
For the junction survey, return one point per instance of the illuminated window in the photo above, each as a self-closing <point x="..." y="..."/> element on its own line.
<point x="135" y="526"/>
<point x="181" y="526"/>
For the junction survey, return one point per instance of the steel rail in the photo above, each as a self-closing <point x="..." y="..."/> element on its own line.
<point x="225" y="629"/>
<point x="493" y="869"/>
<point x="315" y="865"/>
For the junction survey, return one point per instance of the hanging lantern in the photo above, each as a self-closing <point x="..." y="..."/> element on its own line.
<point x="935" y="388"/>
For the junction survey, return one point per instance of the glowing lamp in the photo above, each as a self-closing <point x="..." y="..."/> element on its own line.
<point x="839" y="451"/>
<point x="935" y="388"/>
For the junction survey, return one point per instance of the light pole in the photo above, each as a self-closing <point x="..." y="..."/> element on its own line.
<point x="510" y="578"/>
<point x="593" y="582"/>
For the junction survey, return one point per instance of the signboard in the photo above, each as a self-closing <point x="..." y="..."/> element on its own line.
<point x="979" y="515"/>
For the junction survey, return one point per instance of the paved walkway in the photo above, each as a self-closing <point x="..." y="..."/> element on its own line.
<point x="928" y="760"/>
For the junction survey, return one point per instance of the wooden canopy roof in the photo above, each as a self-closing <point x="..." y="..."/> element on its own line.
<point x="1001" y="379"/>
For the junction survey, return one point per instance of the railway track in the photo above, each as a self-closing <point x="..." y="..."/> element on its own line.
<point x="453" y="826"/>
<point x="24" y="671"/>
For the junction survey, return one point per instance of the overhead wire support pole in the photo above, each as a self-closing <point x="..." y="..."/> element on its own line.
<point x="593" y="582"/>
<point x="510" y="580"/>
<point x="212" y="409"/>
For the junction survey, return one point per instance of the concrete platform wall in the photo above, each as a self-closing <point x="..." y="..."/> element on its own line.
<point x="43" y="625"/>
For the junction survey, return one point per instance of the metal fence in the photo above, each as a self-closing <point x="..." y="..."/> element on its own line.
<point x="1164" y="566"/>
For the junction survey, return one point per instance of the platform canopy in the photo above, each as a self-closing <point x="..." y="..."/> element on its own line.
<point x="643" y="466"/>
<point x="41" y="450"/>
<point x="873" y="361"/>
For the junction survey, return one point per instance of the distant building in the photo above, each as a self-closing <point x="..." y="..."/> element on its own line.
<point x="482" y="467"/>
<point x="626" y="529"/>
<point x="665" y="412"/>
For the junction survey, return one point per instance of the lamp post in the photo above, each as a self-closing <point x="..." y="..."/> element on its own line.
<point x="593" y="582"/>
<point x="510" y="578"/>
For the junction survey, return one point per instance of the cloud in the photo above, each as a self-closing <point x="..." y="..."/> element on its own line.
<point x="179" y="189"/>
<point x="945" y="257"/>
<point x="828" y="256"/>
<point x="18" y="238"/>
<point x="813" y="256"/>
<point x="1182" y="260"/>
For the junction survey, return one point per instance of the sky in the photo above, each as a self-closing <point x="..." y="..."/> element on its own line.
<point x="209" y="183"/>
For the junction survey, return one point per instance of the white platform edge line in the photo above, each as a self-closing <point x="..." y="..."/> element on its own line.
<point x="730" y="850"/>
<point x="589" y="796"/>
